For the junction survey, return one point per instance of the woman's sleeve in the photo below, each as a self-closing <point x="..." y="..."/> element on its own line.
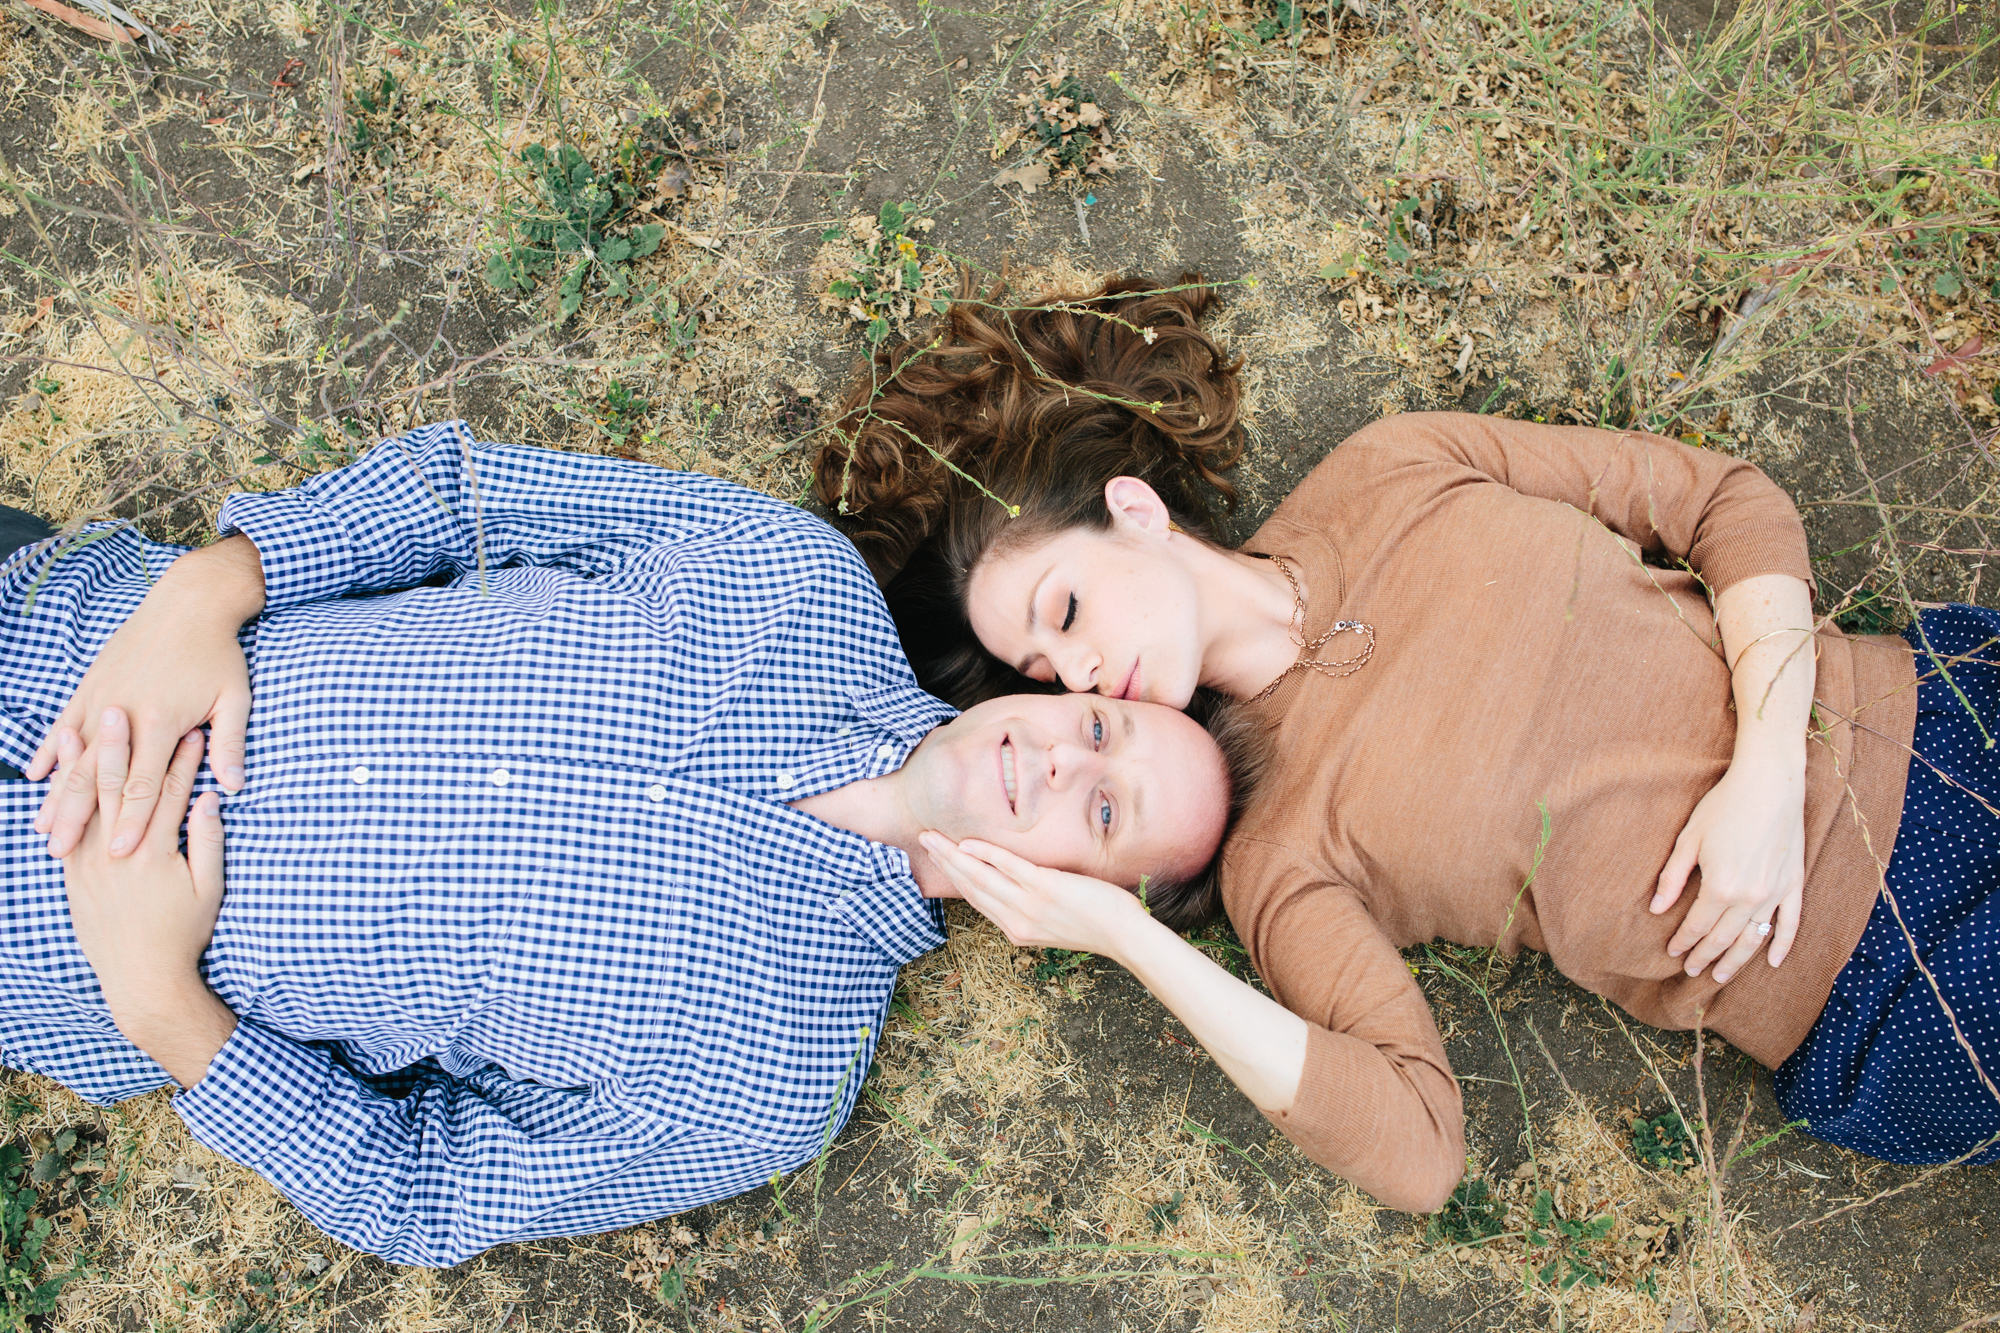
<point x="1721" y="515"/>
<point x="1377" y="1102"/>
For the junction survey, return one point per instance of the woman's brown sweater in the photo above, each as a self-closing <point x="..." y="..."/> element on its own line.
<point x="1531" y="671"/>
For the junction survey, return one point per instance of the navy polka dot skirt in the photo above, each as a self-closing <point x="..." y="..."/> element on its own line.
<point x="1881" y="1071"/>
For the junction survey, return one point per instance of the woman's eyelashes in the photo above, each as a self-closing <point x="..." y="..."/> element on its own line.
<point x="1069" y="616"/>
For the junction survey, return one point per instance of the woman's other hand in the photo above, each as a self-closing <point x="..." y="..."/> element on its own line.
<point x="1748" y="837"/>
<point x="174" y="665"/>
<point x="143" y="921"/>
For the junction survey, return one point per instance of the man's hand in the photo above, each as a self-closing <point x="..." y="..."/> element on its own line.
<point x="173" y="665"/>
<point x="144" y="920"/>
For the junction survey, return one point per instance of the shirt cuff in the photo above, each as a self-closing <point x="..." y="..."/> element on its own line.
<point x="1732" y="557"/>
<point x="258" y="1089"/>
<point x="306" y="556"/>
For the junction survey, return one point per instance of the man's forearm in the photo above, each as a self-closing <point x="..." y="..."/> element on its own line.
<point x="181" y="1024"/>
<point x="225" y="580"/>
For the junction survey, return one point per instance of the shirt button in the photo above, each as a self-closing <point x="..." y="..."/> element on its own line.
<point x="361" y="773"/>
<point x="886" y="752"/>
<point x="657" y="792"/>
<point x="843" y="731"/>
<point x="501" y="777"/>
<point x="785" y="781"/>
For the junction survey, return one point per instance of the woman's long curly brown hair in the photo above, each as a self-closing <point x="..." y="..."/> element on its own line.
<point x="1002" y="427"/>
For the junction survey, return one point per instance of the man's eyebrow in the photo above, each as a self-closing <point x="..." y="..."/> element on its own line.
<point x="1134" y="799"/>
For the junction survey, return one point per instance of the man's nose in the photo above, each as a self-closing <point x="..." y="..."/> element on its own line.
<point x="1070" y="764"/>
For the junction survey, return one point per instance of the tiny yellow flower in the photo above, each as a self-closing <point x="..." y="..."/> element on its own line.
<point x="1988" y="160"/>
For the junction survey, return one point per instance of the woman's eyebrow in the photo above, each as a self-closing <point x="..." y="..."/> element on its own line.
<point x="1035" y="596"/>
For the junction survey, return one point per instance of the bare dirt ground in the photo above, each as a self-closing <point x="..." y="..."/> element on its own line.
<point x="669" y="231"/>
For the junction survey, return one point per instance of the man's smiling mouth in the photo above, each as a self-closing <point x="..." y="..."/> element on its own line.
<point x="1007" y="773"/>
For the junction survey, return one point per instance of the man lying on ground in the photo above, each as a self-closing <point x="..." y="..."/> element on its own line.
<point x="572" y="851"/>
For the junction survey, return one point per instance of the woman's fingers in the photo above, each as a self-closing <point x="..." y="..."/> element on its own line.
<point x="1674" y="877"/>
<point x="1017" y="868"/>
<point x="1740" y="951"/>
<point x="1786" y="925"/>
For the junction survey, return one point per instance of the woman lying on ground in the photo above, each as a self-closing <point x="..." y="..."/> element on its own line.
<point x="1527" y="686"/>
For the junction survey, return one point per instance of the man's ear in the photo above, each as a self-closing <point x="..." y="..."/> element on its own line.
<point x="1133" y="501"/>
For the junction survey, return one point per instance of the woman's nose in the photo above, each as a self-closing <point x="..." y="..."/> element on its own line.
<point x="1079" y="671"/>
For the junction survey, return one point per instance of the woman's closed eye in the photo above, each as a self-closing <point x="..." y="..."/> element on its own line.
<point x="1069" y="617"/>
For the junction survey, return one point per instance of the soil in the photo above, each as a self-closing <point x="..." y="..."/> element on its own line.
<point x="902" y="120"/>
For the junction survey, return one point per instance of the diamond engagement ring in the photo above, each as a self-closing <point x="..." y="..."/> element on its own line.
<point x="1761" y="927"/>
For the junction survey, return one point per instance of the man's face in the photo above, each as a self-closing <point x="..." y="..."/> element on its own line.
<point x="1077" y="782"/>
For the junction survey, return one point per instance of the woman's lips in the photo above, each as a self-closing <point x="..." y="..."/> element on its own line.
<point x="1131" y="687"/>
<point x="1007" y="773"/>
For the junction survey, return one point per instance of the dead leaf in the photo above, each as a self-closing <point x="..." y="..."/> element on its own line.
<point x="1090" y="114"/>
<point x="1030" y="176"/>
<point x="1963" y="356"/>
<point x="1679" y="1319"/>
<point x="98" y="28"/>
<point x="42" y="309"/>
<point x="963" y="1236"/>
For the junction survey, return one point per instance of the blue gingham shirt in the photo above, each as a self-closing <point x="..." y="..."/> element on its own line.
<point x="522" y="935"/>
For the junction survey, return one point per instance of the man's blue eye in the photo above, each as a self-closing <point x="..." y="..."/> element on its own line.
<point x="1104" y="813"/>
<point x="1097" y="730"/>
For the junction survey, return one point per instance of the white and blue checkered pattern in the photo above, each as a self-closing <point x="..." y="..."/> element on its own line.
<point x="523" y="939"/>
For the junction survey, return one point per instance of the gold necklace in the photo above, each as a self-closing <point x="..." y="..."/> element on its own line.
<point x="1298" y="631"/>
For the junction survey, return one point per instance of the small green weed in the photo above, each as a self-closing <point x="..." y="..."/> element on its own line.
<point x="1166" y="1212"/>
<point x="26" y="1288"/>
<point x="588" y="223"/>
<point x="1663" y="1142"/>
<point x="619" y="412"/>
<point x="884" y="281"/>
<point x="376" y="125"/>
<point x="1570" y="1263"/>
<point x="1071" y="128"/>
<point x="1059" y="963"/>
<point x="1469" y="1216"/>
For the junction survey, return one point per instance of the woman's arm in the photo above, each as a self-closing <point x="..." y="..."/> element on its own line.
<point x="1369" y="1096"/>
<point x="1748" y="833"/>
<point x="1259" y="1043"/>
<point x="175" y="664"/>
